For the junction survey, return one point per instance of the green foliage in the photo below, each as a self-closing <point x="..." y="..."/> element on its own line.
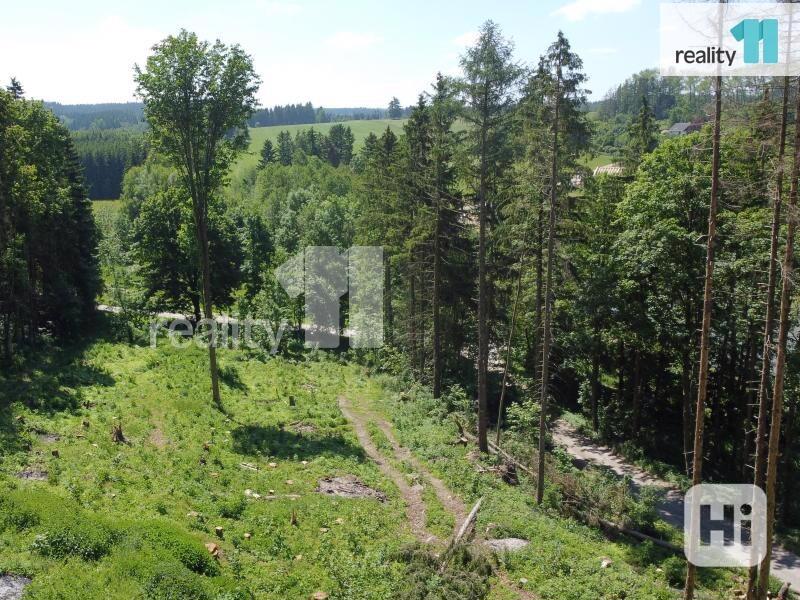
<point x="70" y="535"/>
<point x="465" y="575"/>
<point x="49" y="275"/>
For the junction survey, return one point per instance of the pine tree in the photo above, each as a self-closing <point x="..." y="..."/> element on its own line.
<point x="487" y="87"/>
<point x="395" y="111"/>
<point x="557" y="85"/>
<point x="267" y="153"/>
<point x="642" y="136"/>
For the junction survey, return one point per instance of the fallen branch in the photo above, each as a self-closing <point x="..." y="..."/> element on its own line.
<point x="463" y="531"/>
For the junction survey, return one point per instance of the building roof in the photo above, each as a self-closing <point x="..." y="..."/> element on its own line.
<point x="612" y="169"/>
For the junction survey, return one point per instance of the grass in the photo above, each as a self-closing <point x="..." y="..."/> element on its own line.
<point x="131" y="520"/>
<point x="598" y="160"/>
<point x="360" y="129"/>
<point x="113" y="495"/>
<point x="564" y="558"/>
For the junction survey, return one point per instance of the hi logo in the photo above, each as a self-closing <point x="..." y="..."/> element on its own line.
<point x="754" y="32"/>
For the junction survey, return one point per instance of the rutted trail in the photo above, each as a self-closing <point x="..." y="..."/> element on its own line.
<point x="412" y="495"/>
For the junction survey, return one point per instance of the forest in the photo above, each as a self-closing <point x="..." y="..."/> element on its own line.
<point x="648" y="309"/>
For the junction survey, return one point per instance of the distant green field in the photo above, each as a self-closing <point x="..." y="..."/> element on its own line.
<point x="599" y="160"/>
<point x="105" y="213"/>
<point x="361" y="129"/>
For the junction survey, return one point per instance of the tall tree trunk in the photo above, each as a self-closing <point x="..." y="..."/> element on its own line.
<point x="412" y="316"/>
<point x="437" y="276"/>
<point x="539" y="298"/>
<point x="766" y="358"/>
<point x="638" y="389"/>
<point x="595" y="398"/>
<point x="773" y="456"/>
<point x="208" y="305"/>
<point x="705" y="330"/>
<point x="483" y="330"/>
<point x="686" y="394"/>
<point x="387" y="302"/>
<point x="548" y="297"/>
<point x="508" y="352"/>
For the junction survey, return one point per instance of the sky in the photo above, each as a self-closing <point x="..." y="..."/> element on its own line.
<point x="332" y="53"/>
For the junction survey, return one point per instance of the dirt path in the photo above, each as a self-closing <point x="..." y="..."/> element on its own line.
<point x="359" y="417"/>
<point x="785" y="564"/>
<point x="412" y="495"/>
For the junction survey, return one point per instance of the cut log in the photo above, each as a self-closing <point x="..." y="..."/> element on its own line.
<point x="783" y="594"/>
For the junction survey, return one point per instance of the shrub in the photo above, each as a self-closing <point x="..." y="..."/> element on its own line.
<point x="171" y="581"/>
<point x="180" y="545"/>
<point x="74" y="535"/>
<point x="233" y="509"/>
<point x="674" y="571"/>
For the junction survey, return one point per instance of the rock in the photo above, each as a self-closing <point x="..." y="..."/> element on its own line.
<point x="348" y="486"/>
<point x="33" y="475"/>
<point x="507" y="544"/>
<point x="605" y="563"/>
<point x="339" y="521"/>
<point x="12" y="586"/>
<point x="248" y="535"/>
<point x="522" y="581"/>
<point x="273" y="465"/>
<point x="289" y="482"/>
<point x="324" y="530"/>
<point x="192" y="514"/>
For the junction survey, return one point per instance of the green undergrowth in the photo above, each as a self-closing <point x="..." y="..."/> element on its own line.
<point x="565" y="557"/>
<point x="131" y="520"/>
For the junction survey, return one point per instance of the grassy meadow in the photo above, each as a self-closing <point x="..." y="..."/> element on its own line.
<point x="89" y="517"/>
<point x="361" y="129"/>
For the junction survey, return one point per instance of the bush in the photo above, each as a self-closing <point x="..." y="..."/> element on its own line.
<point x="180" y="545"/>
<point x="466" y="575"/>
<point x="75" y="535"/>
<point x="172" y="581"/>
<point x="674" y="571"/>
<point x="233" y="509"/>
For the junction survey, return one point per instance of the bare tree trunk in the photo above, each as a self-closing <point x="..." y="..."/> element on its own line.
<point x="508" y="352"/>
<point x="387" y="286"/>
<point x="208" y="304"/>
<point x="595" y="378"/>
<point x="437" y="275"/>
<point x="548" y="299"/>
<point x="539" y="299"/>
<point x="483" y="331"/>
<point x="766" y="362"/>
<point x="780" y="365"/>
<point x="705" y="331"/>
<point x="638" y="389"/>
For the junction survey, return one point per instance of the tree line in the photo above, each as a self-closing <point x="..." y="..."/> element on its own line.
<point x="651" y="302"/>
<point x="48" y="242"/>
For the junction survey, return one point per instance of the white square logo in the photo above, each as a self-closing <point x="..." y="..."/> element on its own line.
<point x="725" y="525"/>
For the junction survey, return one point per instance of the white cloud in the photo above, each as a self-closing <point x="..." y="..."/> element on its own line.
<point x="466" y="39"/>
<point x="350" y="40"/>
<point x="577" y="10"/>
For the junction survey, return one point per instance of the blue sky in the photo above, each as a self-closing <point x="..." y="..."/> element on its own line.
<point x="355" y="53"/>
